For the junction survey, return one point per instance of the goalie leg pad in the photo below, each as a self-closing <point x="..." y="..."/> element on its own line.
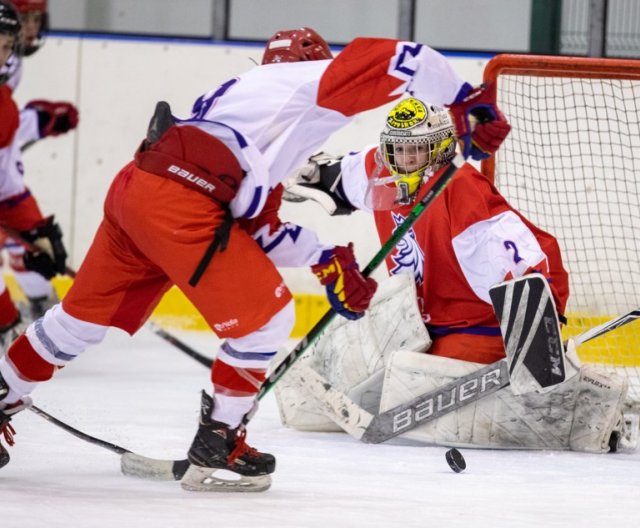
<point x="351" y="355"/>
<point x="500" y="420"/>
<point x="598" y="410"/>
<point x="580" y="414"/>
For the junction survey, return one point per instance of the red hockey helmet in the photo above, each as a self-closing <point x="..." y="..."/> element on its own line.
<point x="24" y="6"/>
<point x="294" y="45"/>
<point x="39" y="8"/>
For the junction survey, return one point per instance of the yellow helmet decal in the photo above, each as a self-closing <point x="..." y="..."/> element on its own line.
<point x="406" y="114"/>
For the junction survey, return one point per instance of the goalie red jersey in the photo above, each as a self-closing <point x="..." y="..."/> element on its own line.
<point x="468" y="240"/>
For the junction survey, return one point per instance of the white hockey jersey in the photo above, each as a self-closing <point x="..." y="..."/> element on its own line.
<point x="277" y="115"/>
<point x="11" y="167"/>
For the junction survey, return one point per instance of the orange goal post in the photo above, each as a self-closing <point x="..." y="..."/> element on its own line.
<point x="571" y="164"/>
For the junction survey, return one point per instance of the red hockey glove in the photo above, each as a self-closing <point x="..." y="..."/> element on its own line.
<point x="48" y="257"/>
<point x="348" y="291"/>
<point x="491" y="128"/>
<point x="54" y="118"/>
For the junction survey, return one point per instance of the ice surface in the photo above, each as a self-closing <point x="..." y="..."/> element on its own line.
<point x="143" y="394"/>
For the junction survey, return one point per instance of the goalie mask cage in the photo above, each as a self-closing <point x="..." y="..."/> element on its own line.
<point x="571" y="164"/>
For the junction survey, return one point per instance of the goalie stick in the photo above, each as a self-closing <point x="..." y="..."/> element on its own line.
<point x="608" y="326"/>
<point x="358" y="422"/>
<point x="371" y="428"/>
<point x="437" y="187"/>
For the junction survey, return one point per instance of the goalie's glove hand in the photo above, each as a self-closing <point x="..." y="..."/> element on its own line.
<point x="348" y="291"/>
<point x="484" y="136"/>
<point x="309" y="174"/>
<point x="319" y="180"/>
<point x="48" y="256"/>
<point x="54" y="118"/>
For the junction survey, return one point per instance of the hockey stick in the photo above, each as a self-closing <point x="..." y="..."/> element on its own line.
<point x="378" y="258"/>
<point x="319" y="327"/>
<point x="370" y="428"/>
<point x="172" y="470"/>
<point x="134" y="465"/>
<point x="599" y="330"/>
<point x="180" y="345"/>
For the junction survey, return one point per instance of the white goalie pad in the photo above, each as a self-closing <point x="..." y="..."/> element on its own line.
<point x="579" y="414"/>
<point x="352" y="355"/>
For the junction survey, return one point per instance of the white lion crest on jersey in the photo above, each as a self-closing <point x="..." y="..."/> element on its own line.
<point x="408" y="256"/>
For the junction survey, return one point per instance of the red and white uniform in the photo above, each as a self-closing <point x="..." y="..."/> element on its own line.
<point x="156" y="229"/>
<point x="468" y="240"/>
<point x="18" y="208"/>
<point x="17" y="134"/>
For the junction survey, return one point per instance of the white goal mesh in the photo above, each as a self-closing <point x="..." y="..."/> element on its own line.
<point x="572" y="166"/>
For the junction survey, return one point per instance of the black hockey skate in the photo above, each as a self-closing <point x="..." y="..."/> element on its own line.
<point x="222" y="461"/>
<point x="6" y="429"/>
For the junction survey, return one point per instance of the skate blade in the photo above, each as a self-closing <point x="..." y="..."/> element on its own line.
<point x="139" y="466"/>
<point x="222" y="481"/>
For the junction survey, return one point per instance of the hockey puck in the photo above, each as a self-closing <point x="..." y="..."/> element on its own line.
<point x="455" y="460"/>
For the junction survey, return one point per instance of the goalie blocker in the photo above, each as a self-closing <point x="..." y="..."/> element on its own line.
<point x="530" y="330"/>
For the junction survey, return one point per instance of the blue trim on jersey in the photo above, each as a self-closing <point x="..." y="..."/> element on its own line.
<point x="14" y="200"/>
<point x="472" y="330"/>
<point x="49" y="344"/>
<point x="288" y="230"/>
<point x="261" y="356"/>
<point x="239" y="137"/>
<point x="253" y="206"/>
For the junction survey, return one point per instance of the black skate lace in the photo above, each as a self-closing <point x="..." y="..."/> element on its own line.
<point x="241" y="448"/>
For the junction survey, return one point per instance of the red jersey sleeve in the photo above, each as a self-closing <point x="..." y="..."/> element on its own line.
<point x="9" y="116"/>
<point x="268" y="216"/>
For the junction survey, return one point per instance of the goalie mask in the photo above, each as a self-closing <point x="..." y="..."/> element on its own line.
<point x="302" y="44"/>
<point x="34" y="17"/>
<point x="416" y="141"/>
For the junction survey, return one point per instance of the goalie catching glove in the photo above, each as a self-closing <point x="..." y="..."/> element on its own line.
<point x="491" y="128"/>
<point x="47" y="255"/>
<point x="348" y="291"/>
<point x="54" y="118"/>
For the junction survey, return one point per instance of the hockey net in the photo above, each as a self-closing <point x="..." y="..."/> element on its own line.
<point x="571" y="164"/>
